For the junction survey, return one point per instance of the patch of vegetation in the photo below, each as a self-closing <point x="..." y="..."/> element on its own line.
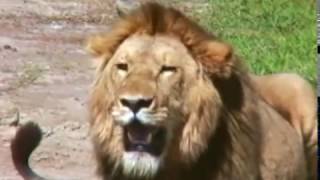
<point x="271" y="36"/>
<point x="29" y="75"/>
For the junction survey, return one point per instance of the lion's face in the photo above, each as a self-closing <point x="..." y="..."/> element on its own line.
<point x="156" y="105"/>
<point x="147" y="77"/>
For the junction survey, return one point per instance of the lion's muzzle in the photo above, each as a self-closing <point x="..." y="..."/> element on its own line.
<point x="144" y="134"/>
<point x="142" y="123"/>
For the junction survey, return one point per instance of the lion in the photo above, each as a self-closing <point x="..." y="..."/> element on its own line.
<point x="171" y="101"/>
<point x="288" y="93"/>
<point x="294" y="98"/>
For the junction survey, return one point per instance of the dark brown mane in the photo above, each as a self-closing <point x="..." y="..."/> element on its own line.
<point x="154" y="19"/>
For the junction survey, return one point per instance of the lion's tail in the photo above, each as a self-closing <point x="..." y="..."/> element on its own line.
<point x="27" y="138"/>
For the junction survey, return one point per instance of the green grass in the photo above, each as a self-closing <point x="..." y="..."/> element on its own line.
<point x="271" y="36"/>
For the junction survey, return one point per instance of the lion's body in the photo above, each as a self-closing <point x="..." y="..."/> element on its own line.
<point x="172" y="102"/>
<point x="222" y="129"/>
<point x="294" y="98"/>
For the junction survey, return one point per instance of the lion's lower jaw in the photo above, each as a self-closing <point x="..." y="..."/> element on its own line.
<point x="140" y="164"/>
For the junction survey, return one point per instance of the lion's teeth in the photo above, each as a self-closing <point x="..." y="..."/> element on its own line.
<point x="149" y="138"/>
<point x="130" y="137"/>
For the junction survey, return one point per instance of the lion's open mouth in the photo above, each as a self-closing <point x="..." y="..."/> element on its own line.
<point x="143" y="138"/>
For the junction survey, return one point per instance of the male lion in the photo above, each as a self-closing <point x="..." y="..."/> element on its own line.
<point x="288" y="93"/>
<point x="172" y="102"/>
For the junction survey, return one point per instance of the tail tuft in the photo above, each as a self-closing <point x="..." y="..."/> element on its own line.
<point x="27" y="138"/>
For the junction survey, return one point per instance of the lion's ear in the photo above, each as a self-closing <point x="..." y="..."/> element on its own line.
<point x="217" y="58"/>
<point x="96" y="46"/>
<point x="101" y="47"/>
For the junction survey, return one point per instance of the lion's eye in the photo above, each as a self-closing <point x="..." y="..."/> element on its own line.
<point x="168" y="69"/>
<point x="122" y="66"/>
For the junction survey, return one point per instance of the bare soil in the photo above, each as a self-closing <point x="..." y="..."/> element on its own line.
<point x="45" y="74"/>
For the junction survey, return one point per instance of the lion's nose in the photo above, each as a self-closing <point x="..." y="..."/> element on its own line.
<point x="135" y="103"/>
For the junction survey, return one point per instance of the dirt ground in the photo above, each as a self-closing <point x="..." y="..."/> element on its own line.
<point x="45" y="75"/>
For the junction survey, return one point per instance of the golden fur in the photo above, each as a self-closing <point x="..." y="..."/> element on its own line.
<point x="219" y="126"/>
<point x="294" y="98"/>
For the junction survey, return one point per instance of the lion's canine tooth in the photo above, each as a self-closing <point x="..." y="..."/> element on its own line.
<point x="130" y="137"/>
<point x="149" y="138"/>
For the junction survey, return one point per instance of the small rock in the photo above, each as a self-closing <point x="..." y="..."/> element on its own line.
<point x="41" y="157"/>
<point x="11" y="121"/>
<point x="47" y="132"/>
<point x="6" y="144"/>
<point x="7" y="134"/>
<point x="124" y="7"/>
<point x="16" y="121"/>
<point x="8" y="47"/>
<point x="68" y="126"/>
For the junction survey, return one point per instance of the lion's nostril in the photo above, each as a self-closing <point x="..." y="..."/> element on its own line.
<point x="126" y="102"/>
<point x="145" y="102"/>
<point x="135" y="104"/>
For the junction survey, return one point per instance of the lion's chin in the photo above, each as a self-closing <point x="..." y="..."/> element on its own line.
<point x="140" y="164"/>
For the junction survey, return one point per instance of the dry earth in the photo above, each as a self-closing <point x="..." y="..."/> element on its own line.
<point x="45" y="74"/>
